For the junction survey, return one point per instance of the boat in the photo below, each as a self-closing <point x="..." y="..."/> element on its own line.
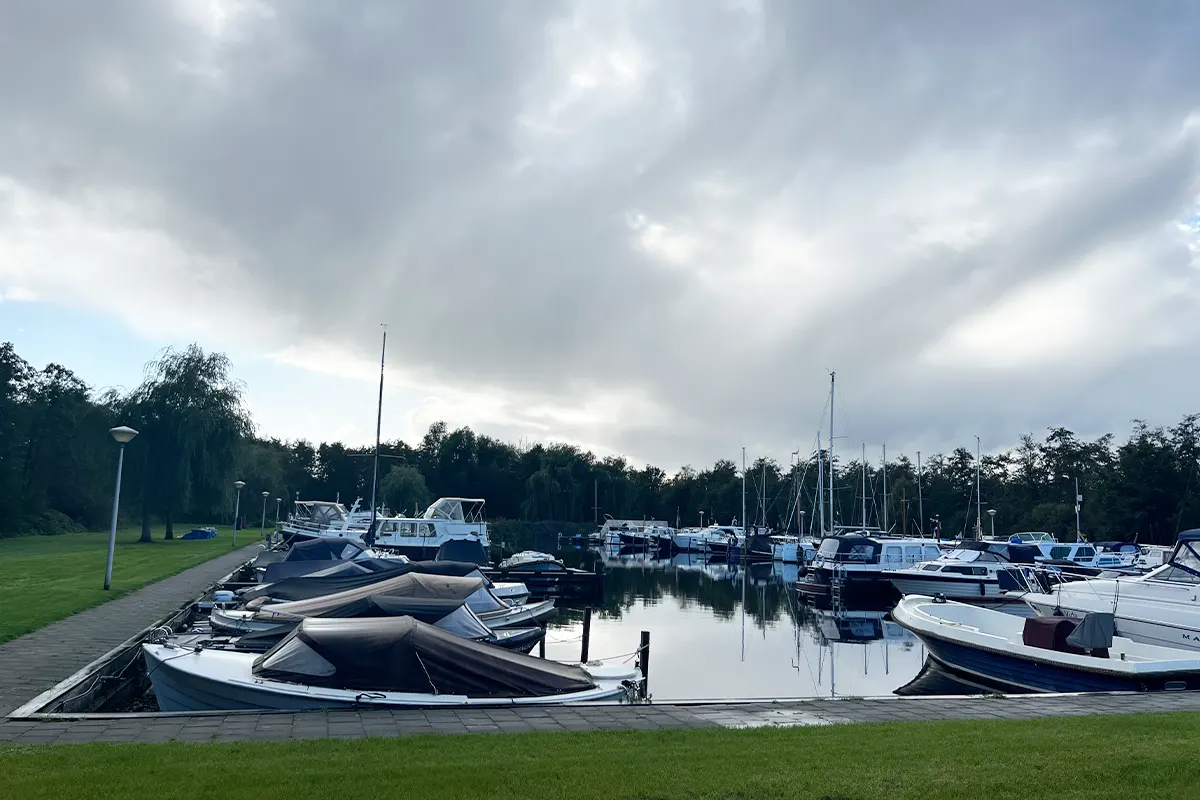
<point x="793" y="549"/>
<point x="969" y="572"/>
<point x="531" y="559"/>
<point x="849" y="567"/>
<point x="312" y="519"/>
<point x="1024" y="537"/>
<point x="1043" y="654"/>
<point x="1161" y="607"/>
<point x="473" y="591"/>
<point x="389" y="662"/>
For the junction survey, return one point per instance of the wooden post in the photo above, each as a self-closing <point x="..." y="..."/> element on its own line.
<point x="644" y="660"/>
<point x="587" y="634"/>
<point x="542" y="647"/>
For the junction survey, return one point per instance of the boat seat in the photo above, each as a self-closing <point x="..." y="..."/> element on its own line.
<point x="1050" y="633"/>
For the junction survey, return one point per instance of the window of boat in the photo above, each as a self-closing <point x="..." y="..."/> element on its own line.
<point x="987" y="557"/>
<point x="1085" y="552"/>
<point x="861" y="552"/>
<point x="1060" y="552"/>
<point x="893" y="555"/>
<point x="913" y="553"/>
<point x="1184" y="566"/>
<point x="406" y="528"/>
<point x="931" y="567"/>
<point x="957" y="570"/>
<point x="932" y="551"/>
<point x="829" y="547"/>
<point x="963" y="555"/>
<point x="426" y="530"/>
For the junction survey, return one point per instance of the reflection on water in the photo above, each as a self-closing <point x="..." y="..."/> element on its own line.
<point x="720" y="630"/>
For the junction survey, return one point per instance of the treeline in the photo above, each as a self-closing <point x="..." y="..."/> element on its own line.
<point x="57" y="467"/>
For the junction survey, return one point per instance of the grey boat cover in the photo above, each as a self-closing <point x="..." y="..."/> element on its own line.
<point x="446" y="613"/>
<point x="322" y="550"/>
<point x="1094" y="632"/>
<point x="409" y="584"/>
<point x="401" y="654"/>
<point x="463" y="550"/>
<point x="352" y="575"/>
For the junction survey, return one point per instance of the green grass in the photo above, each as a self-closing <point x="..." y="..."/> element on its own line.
<point x="1143" y="756"/>
<point x="46" y="578"/>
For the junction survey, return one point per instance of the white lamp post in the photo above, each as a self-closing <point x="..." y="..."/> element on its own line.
<point x="992" y="514"/>
<point x="237" y="506"/>
<point x="278" y="500"/>
<point x="262" y="526"/>
<point x="124" y="435"/>
<point x="1078" y="500"/>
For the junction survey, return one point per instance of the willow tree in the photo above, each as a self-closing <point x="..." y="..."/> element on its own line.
<point x="192" y="422"/>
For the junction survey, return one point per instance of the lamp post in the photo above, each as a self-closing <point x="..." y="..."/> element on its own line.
<point x="124" y="435"/>
<point x="1078" y="500"/>
<point x="992" y="515"/>
<point x="278" y="500"/>
<point x="262" y="526"/>
<point x="237" y="507"/>
<point x="702" y="518"/>
<point x="801" y="529"/>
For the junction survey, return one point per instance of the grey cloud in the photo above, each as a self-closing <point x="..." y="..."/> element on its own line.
<point x="427" y="164"/>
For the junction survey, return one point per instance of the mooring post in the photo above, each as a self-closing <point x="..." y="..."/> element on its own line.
<point x="542" y="647"/>
<point x="587" y="634"/>
<point x="644" y="660"/>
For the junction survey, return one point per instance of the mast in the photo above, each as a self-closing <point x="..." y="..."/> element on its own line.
<point x="763" y="496"/>
<point x="978" y="496"/>
<point x="378" y="426"/>
<point x="864" y="463"/>
<point x="885" y="508"/>
<point x="832" y="382"/>
<point x="821" y="485"/>
<point x="920" y="500"/>
<point x="743" y="493"/>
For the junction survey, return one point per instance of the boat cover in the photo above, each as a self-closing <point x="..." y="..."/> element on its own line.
<point x="401" y="654"/>
<point x="1009" y="551"/>
<point x="408" y="584"/>
<point x="200" y="533"/>
<point x="446" y="613"/>
<point x="463" y="550"/>
<point x="1095" y="632"/>
<point x="322" y="550"/>
<point x="303" y="587"/>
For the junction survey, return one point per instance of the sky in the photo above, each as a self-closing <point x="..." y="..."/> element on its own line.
<point x="646" y="228"/>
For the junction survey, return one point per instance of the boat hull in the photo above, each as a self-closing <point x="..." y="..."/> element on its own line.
<point x="866" y="589"/>
<point x="955" y="589"/>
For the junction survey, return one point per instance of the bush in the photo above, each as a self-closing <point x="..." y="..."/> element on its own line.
<point x="49" y="523"/>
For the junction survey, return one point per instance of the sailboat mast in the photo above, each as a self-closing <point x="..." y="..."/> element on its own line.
<point x="978" y="496"/>
<point x="820" y="485"/>
<point x="920" y="499"/>
<point x="743" y="490"/>
<point x="864" y="463"/>
<point x="832" y="382"/>
<point x="378" y="427"/>
<point x="885" y="508"/>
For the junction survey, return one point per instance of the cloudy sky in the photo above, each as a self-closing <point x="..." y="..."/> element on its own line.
<point x="643" y="227"/>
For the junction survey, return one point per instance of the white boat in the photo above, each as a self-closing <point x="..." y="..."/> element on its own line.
<point x="969" y="572"/>
<point x="793" y="549"/>
<point x="1161" y="607"/>
<point x="851" y="567"/>
<point x="1012" y="653"/>
<point x="394" y="662"/>
<point x="419" y="538"/>
<point x="636" y="533"/>
<point x="1024" y="537"/>
<point x="527" y="559"/>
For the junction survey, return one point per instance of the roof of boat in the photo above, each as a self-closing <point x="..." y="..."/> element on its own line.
<point x="1192" y="535"/>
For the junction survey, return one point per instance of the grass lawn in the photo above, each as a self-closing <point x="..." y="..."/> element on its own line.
<point x="46" y="578"/>
<point x="1144" y="756"/>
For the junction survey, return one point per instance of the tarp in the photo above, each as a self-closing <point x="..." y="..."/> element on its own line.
<point x="446" y="613"/>
<point x="463" y="550"/>
<point x="1095" y="632"/>
<point x="401" y="654"/>
<point x="1016" y="553"/>
<point x="200" y="533"/>
<point x="409" y="584"/>
<point x="322" y="550"/>
<point x="348" y="577"/>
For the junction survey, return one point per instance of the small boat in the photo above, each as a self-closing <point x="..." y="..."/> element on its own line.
<point x="389" y="662"/>
<point x="969" y="572"/>
<point x="531" y="559"/>
<point x="1043" y="654"/>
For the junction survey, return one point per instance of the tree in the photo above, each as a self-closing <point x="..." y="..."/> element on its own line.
<point x="192" y="422"/>
<point x="404" y="488"/>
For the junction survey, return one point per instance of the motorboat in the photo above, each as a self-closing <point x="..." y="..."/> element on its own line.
<point x="1161" y="607"/>
<point x="472" y="591"/>
<point x="971" y="571"/>
<point x="531" y="559"/>
<point x="388" y="662"/>
<point x="1086" y="559"/>
<point x="1043" y="654"/>
<point x="850" y="567"/>
<point x="1024" y="537"/>
<point x="312" y="555"/>
<point x="418" y="538"/>
<point x="793" y="549"/>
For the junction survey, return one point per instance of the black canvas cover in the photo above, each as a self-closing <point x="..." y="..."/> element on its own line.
<point x="408" y="584"/>
<point x="322" y="550"/>
<point x="303" y="587"/>
<point x="401" y="654"/>
<point x="470" y="550"/>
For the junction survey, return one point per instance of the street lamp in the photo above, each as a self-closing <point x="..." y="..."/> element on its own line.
<point x="702" y="518"/>
<point x="262" y="526"/>
<point x="992" y="514"/>
<point x="801" y="530"/>
<point x="237" y="507"/>
<point x="1078" y="500"/>
<point x="278" y="500"/>
<point x="124" y="435"/>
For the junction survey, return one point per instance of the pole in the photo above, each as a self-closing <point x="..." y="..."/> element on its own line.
<point x="1078" y="500"/>
<point x="820" y="486"/>
<point x="237" y="507"/>
<point x="112" y="532"/>
<point x="978" y="496"/>
<point x="885" y="508"/>
<point x="596" y="502"/>
<point x="832" y="380"/>
<point x="262" y="526"/>
<point x="743" y="520"/>
<point x="278" y="500"/>
<point x="644" y="660"/>
<point x="378" y="427"/>
<point x="920" y="499"/>
<point x="864" y="498"/>
<point x="587" y="635"/>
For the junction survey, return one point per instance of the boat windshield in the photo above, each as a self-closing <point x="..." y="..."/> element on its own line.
<point x="962" y="555"/>
<point x="1184" y="566"/>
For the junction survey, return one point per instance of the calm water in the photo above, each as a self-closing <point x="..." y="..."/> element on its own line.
<point x="722" y="630"/>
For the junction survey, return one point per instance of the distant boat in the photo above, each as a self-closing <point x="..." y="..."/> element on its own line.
<point x="394" y="662"/>
<point x="969" y="572"/>
<point x="1043" y="654"/>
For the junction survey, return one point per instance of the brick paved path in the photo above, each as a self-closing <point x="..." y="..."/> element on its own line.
<point x="33" y="663"/>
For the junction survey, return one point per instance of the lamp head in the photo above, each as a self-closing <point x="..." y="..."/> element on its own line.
<point x="239" y="485"/>
<point x="266" y="495"/>
<point x="123" y="434"/>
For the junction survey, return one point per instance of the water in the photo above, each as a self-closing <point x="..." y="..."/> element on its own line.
<point x="722" y="630"/>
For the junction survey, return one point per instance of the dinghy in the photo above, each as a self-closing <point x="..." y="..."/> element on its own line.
<point x="391" y="662"/>
<point x="1043" y="654"/>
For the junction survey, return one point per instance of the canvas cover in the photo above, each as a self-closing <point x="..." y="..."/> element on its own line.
<point x="1095" y="632"/>
<point x="470" y="550"/>
<point x="348" y="576"/>
<point x="322" y="550"/>
<point x="401" y="654"/>
<point x="409" y="584"/>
